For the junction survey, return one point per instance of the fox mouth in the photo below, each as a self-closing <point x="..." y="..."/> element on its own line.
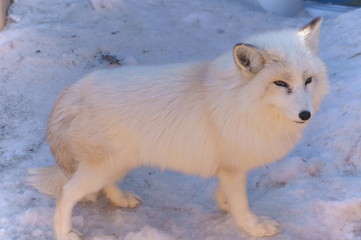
<point x="299" y="122"/>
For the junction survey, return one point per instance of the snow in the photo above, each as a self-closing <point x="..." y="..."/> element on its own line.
<point x="314" y="192"/>
<point x="147" y="233"/>
<point x="105" y="4"/>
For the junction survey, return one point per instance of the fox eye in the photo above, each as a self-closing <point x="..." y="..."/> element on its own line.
<point x="308" y="80"/>
<point x="281" y="83"/>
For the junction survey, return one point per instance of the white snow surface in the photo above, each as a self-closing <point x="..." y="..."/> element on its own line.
<point x="314" y="192"/>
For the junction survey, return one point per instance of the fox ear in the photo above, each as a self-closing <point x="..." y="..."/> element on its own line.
<point x="248" y="58"/>
<point x="311" y="34"/>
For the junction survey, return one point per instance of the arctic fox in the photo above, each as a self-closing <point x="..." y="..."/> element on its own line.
<point x="220" y="118"/>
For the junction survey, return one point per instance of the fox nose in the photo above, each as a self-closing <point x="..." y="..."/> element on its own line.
<point x="304" y="115"/>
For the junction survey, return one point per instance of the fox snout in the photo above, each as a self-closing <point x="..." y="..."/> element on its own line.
<point x="304" y="115"/>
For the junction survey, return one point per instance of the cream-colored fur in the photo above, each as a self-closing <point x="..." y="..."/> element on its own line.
<point x="219" y="118"/>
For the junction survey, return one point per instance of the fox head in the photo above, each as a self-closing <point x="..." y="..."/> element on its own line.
<point x="287" y="63"/>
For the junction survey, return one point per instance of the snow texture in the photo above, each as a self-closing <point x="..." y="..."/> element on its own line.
<point x="314" y="192"/>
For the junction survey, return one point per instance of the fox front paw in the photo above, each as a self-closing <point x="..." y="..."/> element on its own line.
<point x="128" y="200"/>
<point x="260" y="226"/>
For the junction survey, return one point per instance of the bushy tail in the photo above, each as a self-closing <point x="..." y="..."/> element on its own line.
<point x="47" y="180"/>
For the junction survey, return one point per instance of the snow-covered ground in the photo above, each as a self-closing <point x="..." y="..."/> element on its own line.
<point x="315" y="192"/>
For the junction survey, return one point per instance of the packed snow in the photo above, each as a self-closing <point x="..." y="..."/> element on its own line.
<point x="314" y="192"/>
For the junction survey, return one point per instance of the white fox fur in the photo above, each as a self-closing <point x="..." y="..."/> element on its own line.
<point x="219" y="118"/>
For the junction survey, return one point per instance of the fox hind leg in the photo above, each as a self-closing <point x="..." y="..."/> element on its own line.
<point x="80" y="185"/>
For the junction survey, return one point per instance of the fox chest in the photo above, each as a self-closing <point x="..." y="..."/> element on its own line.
<point x="253" y="147"/>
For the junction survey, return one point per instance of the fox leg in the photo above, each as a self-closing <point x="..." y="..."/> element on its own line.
<point x="120" y="199"/>
<point x="221" y="200"/>
<point x="81" y="184"/>
<point x="232" y="195"/>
